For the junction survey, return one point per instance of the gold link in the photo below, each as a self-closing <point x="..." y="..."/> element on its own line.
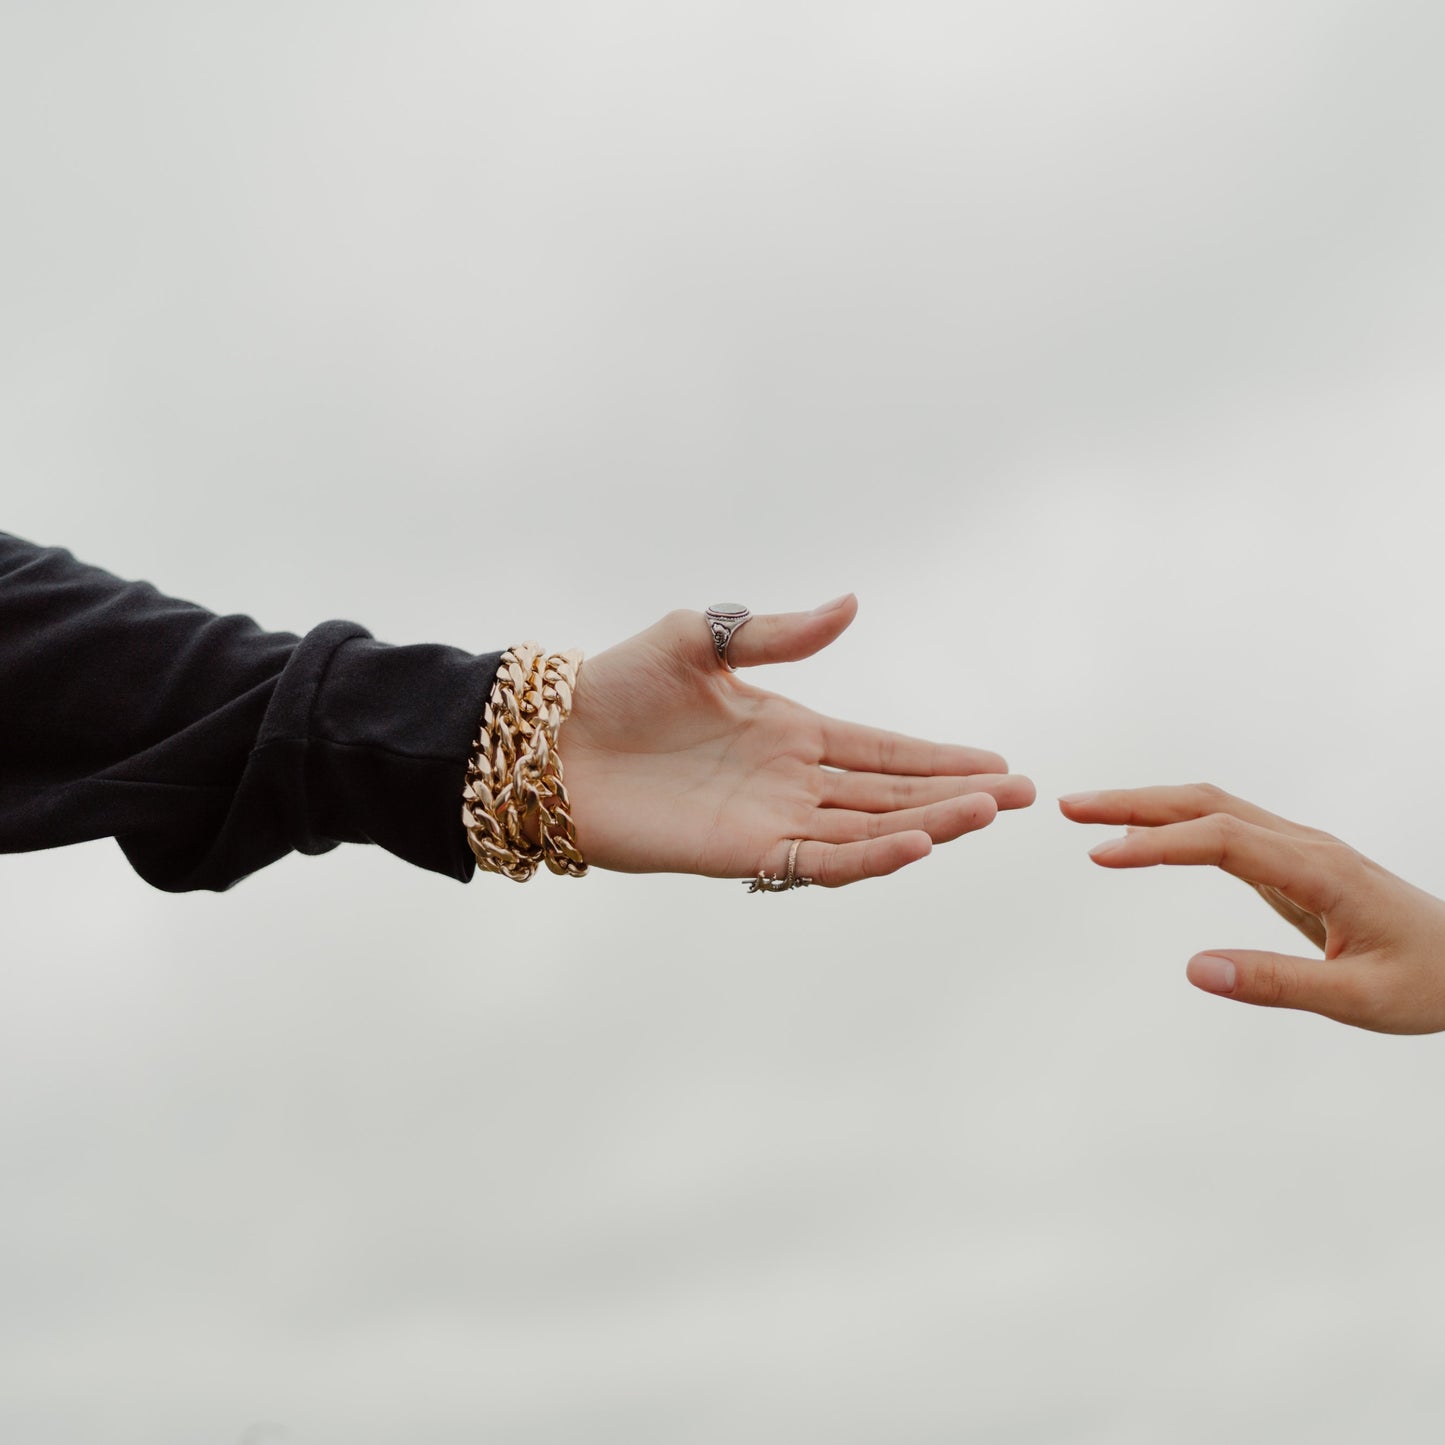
<point x="515" y="767"/>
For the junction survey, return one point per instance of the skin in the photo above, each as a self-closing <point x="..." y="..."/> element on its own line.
<point x="674" y="764"/>
<point x="1383" y="939"/>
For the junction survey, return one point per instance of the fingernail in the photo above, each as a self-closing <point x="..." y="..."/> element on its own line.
<point x="832" y="606"/>
<point x="1211" y="973"/>
<point x="1077" y="797"/>
<point x="1107" y="847"/>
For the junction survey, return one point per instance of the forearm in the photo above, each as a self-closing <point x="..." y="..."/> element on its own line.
<point x="208" y="747"/>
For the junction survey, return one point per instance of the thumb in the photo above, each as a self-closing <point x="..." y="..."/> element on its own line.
<point x="1278" y="980"/>
<point x="788" y="636"/>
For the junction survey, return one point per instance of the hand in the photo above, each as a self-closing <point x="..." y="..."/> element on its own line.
<point x="1383" y="939"/>
<point x="674" y="764"/>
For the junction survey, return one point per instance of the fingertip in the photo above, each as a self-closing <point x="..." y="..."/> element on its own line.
<point x="834" y="618"/>
<point x="972" y="813"/>
<point x="847" y="604"/>
<point x="1213" y="973"/>
<point x="985" y="807"/>
<point x="1110" y="852"/>
<point x="882" y="856"/>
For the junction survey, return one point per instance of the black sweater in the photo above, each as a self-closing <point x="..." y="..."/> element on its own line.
<point x="208" y="748"/>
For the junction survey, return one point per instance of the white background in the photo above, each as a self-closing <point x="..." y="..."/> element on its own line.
<point x="1098" y="347"/>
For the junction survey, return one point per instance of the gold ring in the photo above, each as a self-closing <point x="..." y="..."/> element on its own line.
<point x="764" y="884"/>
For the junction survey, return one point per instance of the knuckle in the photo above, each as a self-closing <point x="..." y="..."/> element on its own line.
<point x="824" y="870"/>
<point x="1274" y="981"/>
<point x="1337" y="861"/>
<point x="1211" y="793"/>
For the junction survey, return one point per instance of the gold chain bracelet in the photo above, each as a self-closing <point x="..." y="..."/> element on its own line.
<point x="515" y="771"/>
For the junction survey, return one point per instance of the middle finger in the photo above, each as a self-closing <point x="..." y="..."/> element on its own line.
<point x="887" y="792"/>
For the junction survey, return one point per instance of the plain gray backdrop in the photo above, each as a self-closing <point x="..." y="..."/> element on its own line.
<point x="1100" y="348"/>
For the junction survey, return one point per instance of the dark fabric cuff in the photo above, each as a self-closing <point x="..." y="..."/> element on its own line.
<point x="387" y="741"/>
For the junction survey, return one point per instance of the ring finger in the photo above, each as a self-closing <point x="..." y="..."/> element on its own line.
<point x="942" y="821"/>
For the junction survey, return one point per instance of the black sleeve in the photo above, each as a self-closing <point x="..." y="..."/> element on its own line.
<point x="209" y="748"/>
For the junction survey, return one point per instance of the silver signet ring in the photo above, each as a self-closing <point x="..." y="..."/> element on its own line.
<point x="724" y="619"/>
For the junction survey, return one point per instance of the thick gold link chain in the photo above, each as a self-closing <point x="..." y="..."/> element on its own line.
<point x="515" y="769"/>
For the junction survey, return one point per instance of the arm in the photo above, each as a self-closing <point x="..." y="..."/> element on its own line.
<point x="1383" y="939"/>
<point x="209" y="748"/>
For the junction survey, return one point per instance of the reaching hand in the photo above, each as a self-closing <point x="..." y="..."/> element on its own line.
<point x="674" y="764"/>
<point x="1383" y="939"/>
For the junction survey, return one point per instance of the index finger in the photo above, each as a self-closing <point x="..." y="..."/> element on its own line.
<point x="857" y="748"/>
<point x="1152" y="807"/>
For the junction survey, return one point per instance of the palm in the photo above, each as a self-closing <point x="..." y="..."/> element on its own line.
<point x="708" y="777"/>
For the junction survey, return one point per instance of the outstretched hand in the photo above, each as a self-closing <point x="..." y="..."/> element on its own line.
<point x="674" y="764"/>
<point x="1383" y="939"/>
